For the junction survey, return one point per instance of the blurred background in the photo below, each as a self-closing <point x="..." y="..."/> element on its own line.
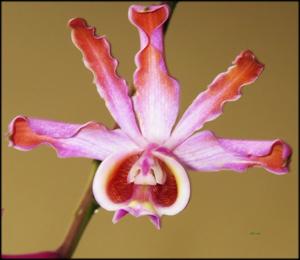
<point x="253" y="214"/>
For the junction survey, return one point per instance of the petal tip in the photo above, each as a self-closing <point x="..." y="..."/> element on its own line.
<point x="248" y="56"/>
<point x="278" y="159"/>
<point x="141" y="15"/>
<point x="77" y="23"/>
<point x="119" y="214"/>
<point x="17" y="132"/>
<point x="147" y="9"/>
<point x="155" y="220"/>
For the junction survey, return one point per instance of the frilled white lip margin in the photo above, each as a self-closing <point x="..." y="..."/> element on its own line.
<point x="135" y="207"/>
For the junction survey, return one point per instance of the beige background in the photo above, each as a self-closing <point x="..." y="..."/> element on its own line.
<point x="229" y="215"/>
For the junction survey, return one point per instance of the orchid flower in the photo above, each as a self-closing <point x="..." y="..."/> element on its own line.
<point x="144" y="161"/>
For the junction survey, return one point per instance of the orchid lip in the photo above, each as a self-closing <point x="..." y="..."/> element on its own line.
<point x="139" y="192"/>
<point x="153" y="217"/>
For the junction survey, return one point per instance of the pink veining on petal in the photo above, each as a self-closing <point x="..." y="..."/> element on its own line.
<point x="90" y="140"/>
<point x="97" y="58"/>
<point x="206" y="152"/>
<point x="209" y="104"/>
<point x="156" y="100"/>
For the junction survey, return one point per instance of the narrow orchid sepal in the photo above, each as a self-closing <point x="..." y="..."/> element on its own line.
<point x="208" y="105"/>
<point x="90" y="140"/>
<point x="205" y="151"/>
<point x="274" y="156"/>
<point x="114" y="90"/>
<point x="156" y="101"/>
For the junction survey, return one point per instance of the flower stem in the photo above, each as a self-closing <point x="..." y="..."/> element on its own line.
<point x="83" y="214"/>
<point x="88" y="205"/>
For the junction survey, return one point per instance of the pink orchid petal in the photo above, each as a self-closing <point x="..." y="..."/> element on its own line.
<point x="97" y="58"/>
<point x="209" y="104"/>
<point x="206" y="152"/>
<point x="91" y="140"/>
<point x="157" y="94"/>
<point x="39" y="255"/>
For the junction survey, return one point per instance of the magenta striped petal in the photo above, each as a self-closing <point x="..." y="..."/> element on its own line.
<point x="206" y="152"/>
<point x="91" y="140"/>
<point x="97" y="58"/>
<point x="209" y="104"/>
<point x="156" y="100"/>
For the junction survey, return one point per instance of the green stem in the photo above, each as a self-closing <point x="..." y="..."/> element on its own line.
<point x="88" y="205"/>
